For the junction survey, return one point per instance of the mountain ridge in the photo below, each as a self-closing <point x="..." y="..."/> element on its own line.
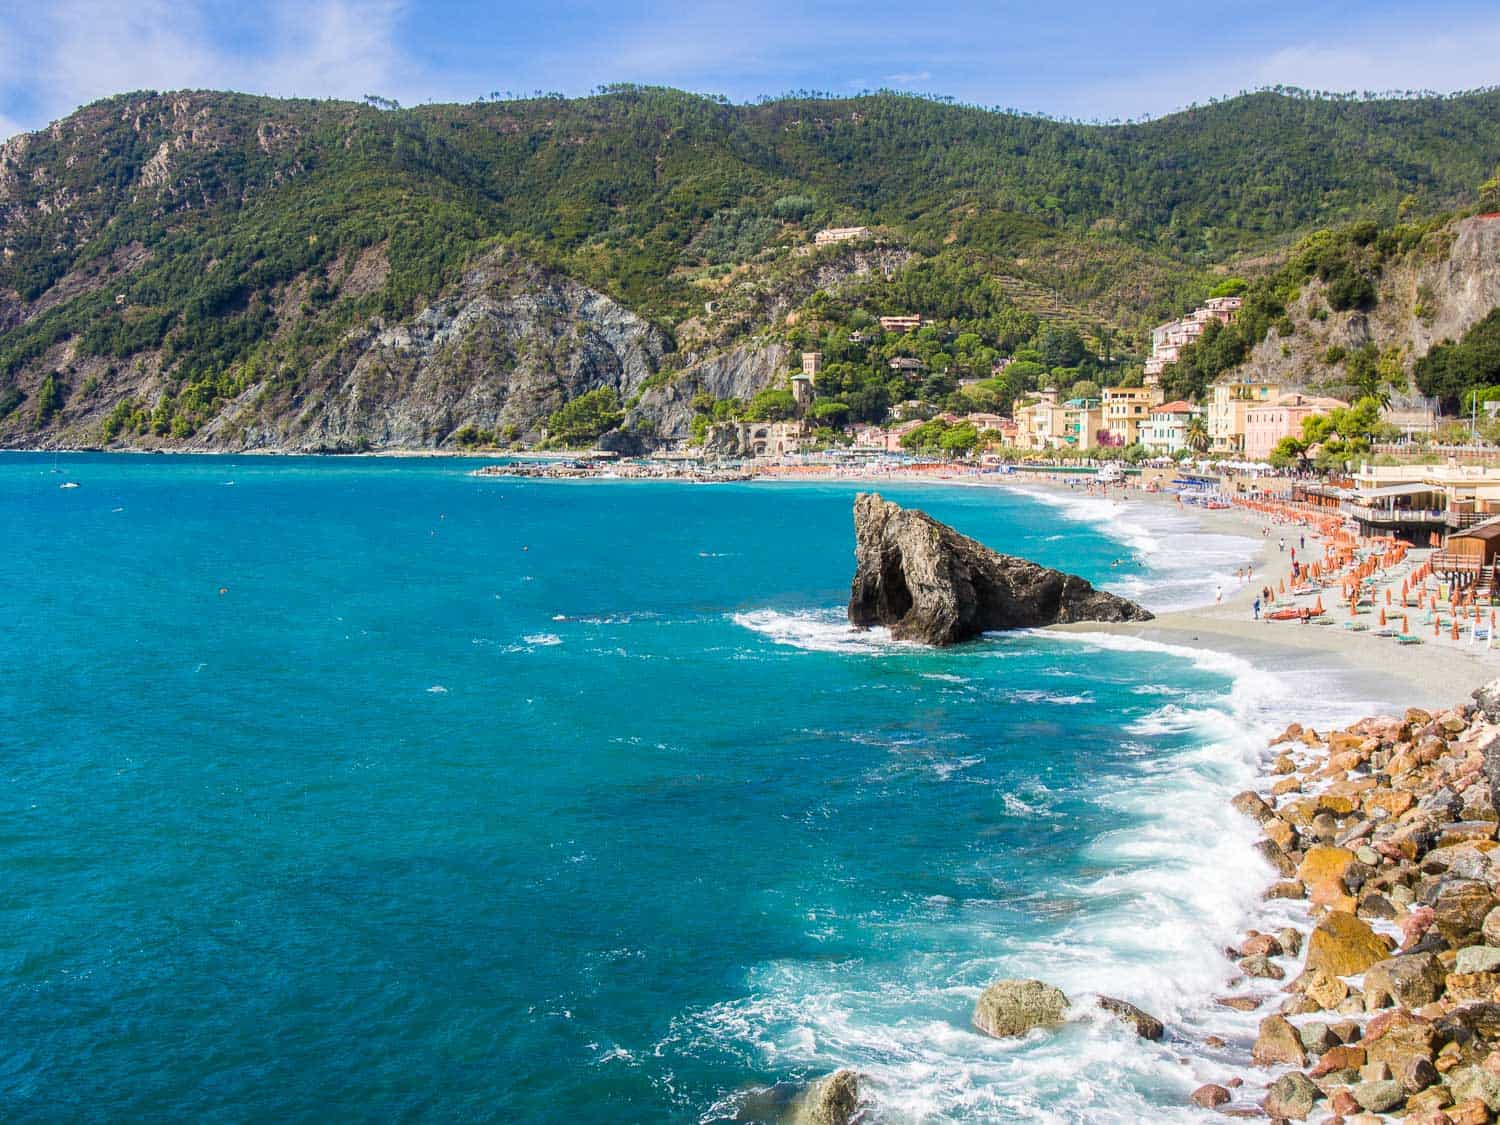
<point x="200" y="249"/>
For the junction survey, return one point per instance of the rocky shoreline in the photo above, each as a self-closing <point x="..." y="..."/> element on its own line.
<point x="1391" y="1005"/>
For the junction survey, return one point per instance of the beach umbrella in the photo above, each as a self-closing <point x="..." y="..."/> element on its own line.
<point x="1405" y="628"/>
<point x="1382" y="617"/>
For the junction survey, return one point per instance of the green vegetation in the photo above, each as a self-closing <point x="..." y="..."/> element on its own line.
<point x="1330" y="441"/>
<point x="582" y="420"/>
<point x="1450" y="370"/>
<point x="1347" y="261"/>
<point x="247" y="221"/>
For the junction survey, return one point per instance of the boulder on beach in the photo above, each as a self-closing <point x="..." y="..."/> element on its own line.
<point x="930" y="584"/>
<point x="1342" y="945"/>
<point x="833" y="1100"/>
<point x="1013" y="1007"/>
<point x="1292" y="1096"/>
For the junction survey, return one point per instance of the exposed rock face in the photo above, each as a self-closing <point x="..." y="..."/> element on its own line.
<point x="1013" y="1007"/>
<point x="737" y="373"/>
<point x="1437" y="292"/>
<point x="931" y="584"/>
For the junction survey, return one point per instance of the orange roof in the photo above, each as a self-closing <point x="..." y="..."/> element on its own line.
<point x="1178" y="407"/>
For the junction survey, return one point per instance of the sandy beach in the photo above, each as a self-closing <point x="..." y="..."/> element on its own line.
<point x="1437" y="673"/>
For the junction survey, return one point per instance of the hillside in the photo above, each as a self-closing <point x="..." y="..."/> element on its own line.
<point x="217" y="270"/>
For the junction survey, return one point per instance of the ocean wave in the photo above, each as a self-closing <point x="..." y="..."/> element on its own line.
<point x="1031" y="695"/>
<point x="1145" y="920"/>
<point x="826" y="630"/>
<point x="1184" y="565"/>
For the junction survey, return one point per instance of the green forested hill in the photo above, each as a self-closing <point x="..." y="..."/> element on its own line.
<point x="208" y="243"/>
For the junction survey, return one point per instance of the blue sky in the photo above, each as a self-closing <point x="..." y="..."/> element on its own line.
<point x="1092" y="59"/>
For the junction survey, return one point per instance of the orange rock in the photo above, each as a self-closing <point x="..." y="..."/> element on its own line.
<point x="1324" y="864"/>
<point x="1393" y="801"/>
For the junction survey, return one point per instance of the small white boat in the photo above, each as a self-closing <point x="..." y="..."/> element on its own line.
<point x="68" y="484"/>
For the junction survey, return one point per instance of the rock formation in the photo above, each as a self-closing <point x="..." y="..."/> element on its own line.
<point x="931" y="584"/>
<point x="833" y="1100"/>
<point x="1013" y="1007"/>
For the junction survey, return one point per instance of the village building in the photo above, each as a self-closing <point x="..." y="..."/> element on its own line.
<point x="1166" y="433"/>
<point x="908" y="366"/>
<point x="1168" y="340"/>
<point x="1229" y="400"/>
<point x="900" y="324"/>
<point x="773" y="439"/>
<point x="812" y="363"/>
<point x="1083" y="423"/>
<point x="1266" y="424"/>
<point x="802" y="391"/>
<point x="1126" y="411"/>
<point x="829" y="235"/>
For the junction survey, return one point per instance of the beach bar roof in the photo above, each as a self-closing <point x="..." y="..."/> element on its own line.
<point x="1391" y="491"/>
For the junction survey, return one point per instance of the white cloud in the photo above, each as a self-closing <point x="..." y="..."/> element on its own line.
<point x="78" y="51"/>
<point x="1407" y="59"/>
<point x="1384" y="59"/>
<point x="909" y="79"/>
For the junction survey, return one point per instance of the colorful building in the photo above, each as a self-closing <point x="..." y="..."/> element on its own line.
<point x="1166" y="433"/>
<point x="1230" y="399"/>
<point x="1126" y="411"/>
<point x="1266" y="423"/>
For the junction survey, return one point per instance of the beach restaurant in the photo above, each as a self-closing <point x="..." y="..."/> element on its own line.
<point x="1411" y="511"/>
<point x="1471" y="555"/>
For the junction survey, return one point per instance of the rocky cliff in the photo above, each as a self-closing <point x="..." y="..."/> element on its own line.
<point x="930" y="584"/>
<point x="499" y="351"/>
<point x="1434" y="293"/>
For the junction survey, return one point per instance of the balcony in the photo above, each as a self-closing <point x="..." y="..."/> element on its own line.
<point x="1390" y="517"/>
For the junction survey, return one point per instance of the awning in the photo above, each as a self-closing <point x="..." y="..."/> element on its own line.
<point x="1395" y="490"/>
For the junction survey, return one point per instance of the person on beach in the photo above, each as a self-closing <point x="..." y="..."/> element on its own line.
<point x="1255" y="608"/>
<point x="1281" y="544"/>
<point x="1218" y="595"/>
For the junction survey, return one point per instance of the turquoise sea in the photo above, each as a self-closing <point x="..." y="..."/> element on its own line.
<point x="369" y="790"/>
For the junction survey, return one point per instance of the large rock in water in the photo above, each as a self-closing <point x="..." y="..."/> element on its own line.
<point x="931" y="584"/>
<point x="1013" y="1007"/>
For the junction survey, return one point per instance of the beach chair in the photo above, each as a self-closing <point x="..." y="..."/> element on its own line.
<point x="1407" y="639"/>
<point x="1385" y="631"/>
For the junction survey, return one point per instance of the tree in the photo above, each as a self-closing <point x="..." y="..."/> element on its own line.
<point x="1062" y="346"/>
<point x="1230" y="287"/>
<point x="48" y="400"/>
<point x="832" y="414"/>
<point x="774" y="404"/>
<point x="586" y="417"/>
<point x="1197" y="434"/>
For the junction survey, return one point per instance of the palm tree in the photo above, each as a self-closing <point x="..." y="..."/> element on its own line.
<point x="1197" y="434"/>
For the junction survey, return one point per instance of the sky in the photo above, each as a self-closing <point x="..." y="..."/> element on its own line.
<point x="1091" y="59"/>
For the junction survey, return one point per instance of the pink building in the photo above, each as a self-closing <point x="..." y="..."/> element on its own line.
<point x="1267" y="423"/>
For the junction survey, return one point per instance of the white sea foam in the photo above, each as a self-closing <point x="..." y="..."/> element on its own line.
<point x="817" y="631"/>
<point x="542" y="640"/>
<point x="1174" y="888"/>
<point x="1031" y="695"/>
<point x="437" y="689"/>
<point x="1183" y="564"/>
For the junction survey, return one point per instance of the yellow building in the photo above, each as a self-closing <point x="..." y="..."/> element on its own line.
<point x="1083" y="419"/>
<point x="1227" y="407"/>
<point x="1127" y="412"/>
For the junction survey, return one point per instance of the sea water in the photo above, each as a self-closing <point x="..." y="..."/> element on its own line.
<point x="364" y="789"/>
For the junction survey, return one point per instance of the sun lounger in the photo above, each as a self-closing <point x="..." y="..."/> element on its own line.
<point x="1407" y="639"/>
